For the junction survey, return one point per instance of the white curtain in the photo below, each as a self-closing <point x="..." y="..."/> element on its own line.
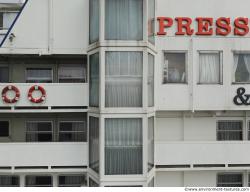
<point x="94" y="20"/>
<point x="123" y="19"/>
<point x="150" y="80"/>
<point x="247" y="63"/>
<point x="123" y="146"/>
<point x="94" y="143"/>
<point x="209" y="68"/>
<point x="123" y="86"/>
<point x="229" y="131"/>
<point x="94" y="80"/>
<point x="235" y="65"/>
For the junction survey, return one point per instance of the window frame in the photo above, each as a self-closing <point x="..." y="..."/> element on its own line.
<point x="43" y="68"/>
<point x="185" y="52"/>
<point x="229" y="173"/>
<point x="9" y="128"/>
<point x="40" y="121"/>
<point x="220" y="52"/>
<point x="227" y="120"/>
<point x="73" y="121"/>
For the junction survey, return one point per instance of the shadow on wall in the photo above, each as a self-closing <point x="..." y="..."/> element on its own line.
<point x="9" y="13"/>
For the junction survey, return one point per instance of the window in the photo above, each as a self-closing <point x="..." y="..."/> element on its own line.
<point x="38" y="181"/>
<point x="72" y="74"/>
<point x="123" y="80"/>
<point x="241" y="68"/>
<point x="4" y="74"/>
<point x="174" y="68"/>
<point x="39" y="132"/>
<point x="151" y="21"/>
<point x="39" y="75"/>
<point x="94" y="21"/>
<point x="92" y="183"/>
<point x="94" y="80"/>
<point x="150" y="80"/>
<point x="72" y="131"/>
<point x="9" y="181"/>
<point x="4" y="128"/>
<point x="94" y="143"/>
<point x="72" y="181"/>
<point x="230" y="180"/>
<point x="123" y="146"/>
<point x="150" y="143"/>
<point x="1" y="20"/>
<point x="209" y="68"/>
<point x="229" y="130"/>
<point x="123" y="19"/>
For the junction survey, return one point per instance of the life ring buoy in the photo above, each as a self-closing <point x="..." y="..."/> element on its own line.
<point x="10" y="88"/>
<point x="37" y="88"/>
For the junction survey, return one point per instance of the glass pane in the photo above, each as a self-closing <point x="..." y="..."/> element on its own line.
<point x="150" y="143"/>
<point x="123" y="86"/>
<point x="4" y="128"/>
<point x="151" y="21"/>
<point x="38" y="75"/>
<point x="9" y="181"/>
<point x="72" y="74"/>
<point x="123" y="19"/>
<point x="94" y="20"/>
<point x="38" y="181"/>
<point x="72" y="181"/>
<point x="230" y="180"/>
<point x="174" y="68"/>
<point x="241" y="68"/>
<point x="94" y="80"/>
<point x="231" y="130"/>
<point x="123" y="146"/>
<point x="150" y="80"/>
<point x="209" y="68"/>
<point x="4" y="74"/>
<point x="94" y="143"/>
<point x="39" y="132"/>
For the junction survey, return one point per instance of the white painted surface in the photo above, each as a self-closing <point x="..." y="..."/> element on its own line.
<point x="177" y="153"/>
<point x="58" y="94"/>
<point x="44" y="154"/>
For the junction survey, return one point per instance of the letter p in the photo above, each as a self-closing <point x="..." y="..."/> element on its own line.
<point x="164" y="22"/>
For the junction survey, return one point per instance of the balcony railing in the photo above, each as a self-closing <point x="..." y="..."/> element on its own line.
<point x="43" y="154"/>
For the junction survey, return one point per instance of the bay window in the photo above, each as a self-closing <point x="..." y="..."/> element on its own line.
<point x="150" y="80"/>
<point x="124" y="20"/>
<point x="150" y="143"/>
<point x="123" y="75"/>
<point x="151" y="21"/>
<point x="123" y="146"/>
<point x="94" y="21"/>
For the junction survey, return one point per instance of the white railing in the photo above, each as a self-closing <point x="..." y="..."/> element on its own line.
<point x="43" y="154"/>
<point x="191" y="153"/>
<point x="57" y="95"/>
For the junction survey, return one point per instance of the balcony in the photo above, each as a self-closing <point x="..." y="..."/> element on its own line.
<point x="43" y="154"/>
<point x="59" y="96"/>
<point x="229" y="154"/>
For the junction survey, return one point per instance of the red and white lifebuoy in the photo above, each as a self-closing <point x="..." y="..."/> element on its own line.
<point x="10" y="88"/>
<point x="37" y="88"/>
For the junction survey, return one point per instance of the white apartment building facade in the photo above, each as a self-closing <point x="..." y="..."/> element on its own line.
<point x="126" y="93"/>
